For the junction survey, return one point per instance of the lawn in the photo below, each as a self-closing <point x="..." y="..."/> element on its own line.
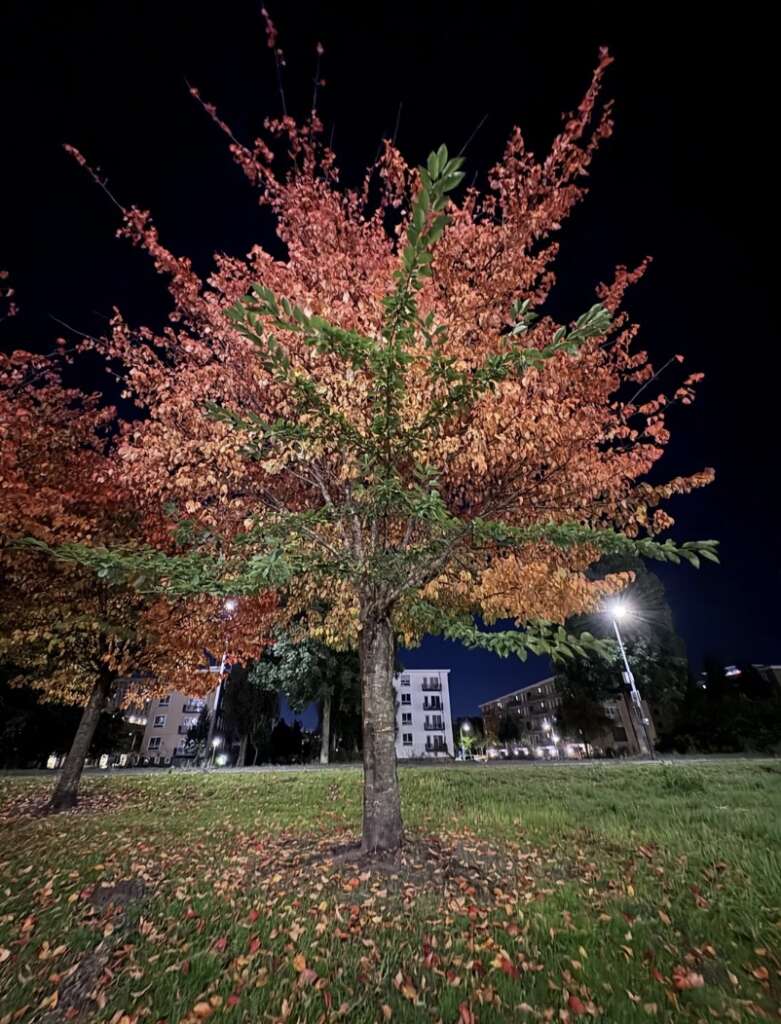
<point x="617" y="892"/>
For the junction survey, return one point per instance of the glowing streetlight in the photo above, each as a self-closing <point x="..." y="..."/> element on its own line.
<point x="465" y="731"/>
<point x="215" y="743"/>
<point x="619" y="611"/>
<point x="231" y="604"/>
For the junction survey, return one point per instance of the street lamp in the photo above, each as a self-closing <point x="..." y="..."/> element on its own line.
<point x="618" y="611"/>
<point x="215" y="743"/>
<point x="229" y="606"/>
<point x="465" y="730"/>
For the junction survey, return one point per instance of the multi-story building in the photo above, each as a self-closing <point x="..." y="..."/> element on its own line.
<point x="536" y="708"/>
<point x="423" y="722"/>
<point x="168" y="721"/>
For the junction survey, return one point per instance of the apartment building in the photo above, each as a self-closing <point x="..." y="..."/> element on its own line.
<point x="536" y="708"/>
<point x="423" y="721"/>
<point x="168" y="721"/>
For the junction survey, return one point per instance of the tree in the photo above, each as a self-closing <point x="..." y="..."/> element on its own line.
<point x="78" y="636"/>
<point x="306" y="670"/>
<point x="286" y="742"/>
<point x="383" y="417"/>
<point x="580" y="715"/>
<point x="250" y="708"/>
<point x="727" y="713"/>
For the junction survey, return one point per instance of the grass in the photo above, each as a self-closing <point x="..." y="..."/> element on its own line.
<point x="617" y="892"/>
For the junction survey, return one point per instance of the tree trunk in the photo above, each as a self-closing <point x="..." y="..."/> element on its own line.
<point x="242" y="758"/>
<point x="65" y="793"/>
<point x="325" y="729"/>
<point x="382" y="831"/>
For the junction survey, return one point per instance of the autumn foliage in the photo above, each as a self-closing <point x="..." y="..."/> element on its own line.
<point x="384" y="426"/>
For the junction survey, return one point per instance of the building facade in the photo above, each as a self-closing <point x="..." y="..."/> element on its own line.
<point x="536" y="708"/>
<point x="423" y="721"/>
<point x="168" y="721"/>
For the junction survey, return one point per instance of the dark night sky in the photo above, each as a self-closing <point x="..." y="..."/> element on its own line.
<point x="688" y="178"/>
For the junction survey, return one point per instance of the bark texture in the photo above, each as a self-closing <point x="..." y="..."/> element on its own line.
<point x="66" y="791"/>
<point x="325" y="729"/>
<point x="382" y="830"/>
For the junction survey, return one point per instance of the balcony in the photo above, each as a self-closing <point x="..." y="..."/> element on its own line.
<point x="193" y="708"/>
<point x="435" y="686"/>
<point x="434" y="726"/>
<point x="184" y="729"/>
<point x="432" y="705"/>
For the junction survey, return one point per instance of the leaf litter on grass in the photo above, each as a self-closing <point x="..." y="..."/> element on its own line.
<point x="234" y="918"/>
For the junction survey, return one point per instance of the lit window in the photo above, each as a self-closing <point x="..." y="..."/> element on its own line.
<point x="154" y="743"/>
<point x="159" y="721"/>
<point x="407" y="739"/>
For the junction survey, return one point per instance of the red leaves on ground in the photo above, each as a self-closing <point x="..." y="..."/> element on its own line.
<point x="576" y="1005"/>
<point x="684" y="978"/>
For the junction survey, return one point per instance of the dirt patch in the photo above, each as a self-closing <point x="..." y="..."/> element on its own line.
<point x="118" y="895"/>
<point x="78" y="991"/>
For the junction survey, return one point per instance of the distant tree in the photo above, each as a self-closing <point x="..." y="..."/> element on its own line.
<point x="580" y="716"/>
<point x="32" y="727"/>
<point x="308" y="671"/>
<point x="286" y="742"/>
<point x="728" y="713"/>
<point x="250" y="709"/>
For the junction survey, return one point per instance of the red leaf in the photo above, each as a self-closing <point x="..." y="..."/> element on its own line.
<point x="465" y="1015"/>
<point x="576" y="1005"/>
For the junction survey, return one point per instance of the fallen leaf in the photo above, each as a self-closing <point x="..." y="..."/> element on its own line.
<point x="683" y="979"/>
<point x="465" y="1015"/>
<point x="576" y="1005"/>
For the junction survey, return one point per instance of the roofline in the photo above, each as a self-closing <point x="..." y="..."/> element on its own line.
<point x="520" y="689"/>
<point x="402" y="670"/>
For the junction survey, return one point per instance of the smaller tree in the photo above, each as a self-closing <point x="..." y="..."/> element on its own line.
<point x="308" y="671"/>
<point x="581" y="716"/>
<point x="250" y="709"/>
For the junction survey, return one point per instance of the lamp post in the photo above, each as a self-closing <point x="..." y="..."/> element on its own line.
<point x="620" y="610"/>
<point x="465" y="730"/>
<point x="228" y="608"/>
<point x="216" y="741"/>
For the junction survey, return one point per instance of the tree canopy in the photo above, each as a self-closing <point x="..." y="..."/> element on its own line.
<point x="388" y="416"/>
